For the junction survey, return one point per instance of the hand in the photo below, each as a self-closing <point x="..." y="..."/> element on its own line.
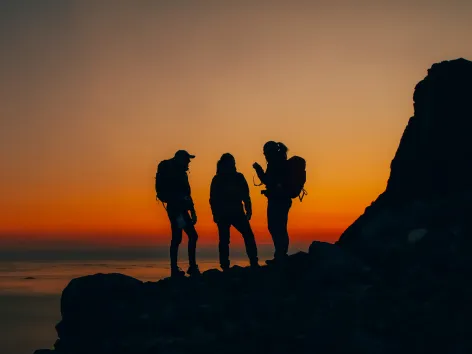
<point x="256" y="166"/>
<point x="193" y="216"/>
<point x="249" y="214"/>
<point x="187" y="202"/>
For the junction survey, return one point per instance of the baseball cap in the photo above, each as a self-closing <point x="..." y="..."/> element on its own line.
<point x="184" y="153"/>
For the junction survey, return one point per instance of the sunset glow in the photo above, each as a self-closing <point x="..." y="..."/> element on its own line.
<point x="93" y="97"/>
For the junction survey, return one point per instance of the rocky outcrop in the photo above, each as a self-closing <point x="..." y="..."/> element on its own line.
<point x="430" y="183"/>
<point x="435" y="152"/>
<point x="307" y="303"/>
<point x="324" y="301"/>
<point x="397" y="281"/>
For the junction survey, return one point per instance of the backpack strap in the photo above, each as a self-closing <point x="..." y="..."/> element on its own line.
<point x="303" y="193"/>
<point x="253" y="181"/>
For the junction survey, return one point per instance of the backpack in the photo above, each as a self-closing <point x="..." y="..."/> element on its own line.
<point x="160" y="181"/>
<point x="296" y="177"/>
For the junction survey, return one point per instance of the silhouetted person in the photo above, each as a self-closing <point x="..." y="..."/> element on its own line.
<point x="228" y="191"/>
<point x="173" y="188"/>
<point x="279" y="199"/>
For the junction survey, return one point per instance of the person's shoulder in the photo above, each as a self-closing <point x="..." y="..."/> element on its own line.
<point x="240" y="176"/>
<point x="217" y="179"/>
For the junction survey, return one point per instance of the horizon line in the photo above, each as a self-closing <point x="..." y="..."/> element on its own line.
<point x="158" y="252"/>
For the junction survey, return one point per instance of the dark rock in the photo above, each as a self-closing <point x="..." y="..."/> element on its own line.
<point x="330" y="260"/>
<point x="435" y="151"/>
<point x="212" y="273"/>
<point x="431" y="170"/>
<point x="92" y="293"/>
<point x="113" y="301"/>
<point x="417" y="234"/>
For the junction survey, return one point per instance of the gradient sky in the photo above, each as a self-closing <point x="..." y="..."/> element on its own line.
<point x="94" y="94"/>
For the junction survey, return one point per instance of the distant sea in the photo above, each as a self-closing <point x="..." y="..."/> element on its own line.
<point x="30" y="291"/>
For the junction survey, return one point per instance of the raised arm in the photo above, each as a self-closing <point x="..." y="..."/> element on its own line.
<point x="260" y="172"/>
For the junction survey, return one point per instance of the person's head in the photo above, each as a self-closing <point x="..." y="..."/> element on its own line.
<point x="270" y="151"/>
<point x="182" y="158"/>
<point x="274" y="151"/>
<point x="226" y="164"/>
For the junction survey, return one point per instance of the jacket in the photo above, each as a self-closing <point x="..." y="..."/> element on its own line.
<point x="274" y="178"/>
<point x="228" y="192"/>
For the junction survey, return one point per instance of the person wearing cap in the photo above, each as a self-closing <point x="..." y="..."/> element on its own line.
<point x="278" y="201"/>
<point x="173" y="188"/>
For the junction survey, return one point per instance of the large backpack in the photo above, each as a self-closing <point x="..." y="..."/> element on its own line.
<point x="161" y="179"/>
<point x="296" y="177"/>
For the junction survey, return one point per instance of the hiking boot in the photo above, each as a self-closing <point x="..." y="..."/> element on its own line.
<point x="225" y="268"/>
<point x="176" y="272"/>
<point x="255" y="265"/>
<point x="193" y="270"/>
<point x="275" y="261"/>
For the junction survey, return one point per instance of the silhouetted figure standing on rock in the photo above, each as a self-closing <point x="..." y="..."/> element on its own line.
<point x="228" y="191"/>
<point x="284" y="179"/>
<point x="173" y="188"/>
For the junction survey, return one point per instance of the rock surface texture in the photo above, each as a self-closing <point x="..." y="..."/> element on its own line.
<point x="430" y="183"/>
<point x="397" y="281"/>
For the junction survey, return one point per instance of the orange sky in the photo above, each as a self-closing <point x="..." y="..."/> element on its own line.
<point x="92" y="97"/>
